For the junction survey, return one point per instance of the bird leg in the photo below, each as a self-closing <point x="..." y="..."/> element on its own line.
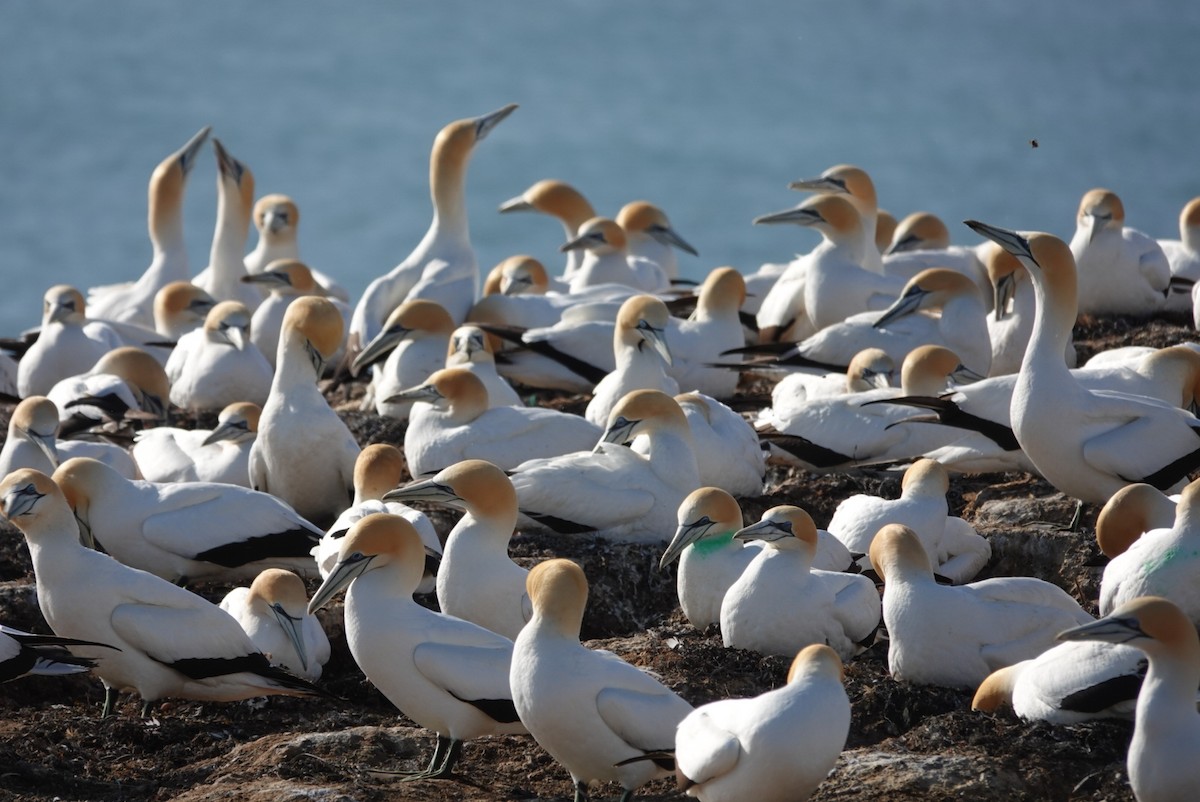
<point x="110" y="701"/>
<point x="626" y="795"/>
<point x="445" y="754"/>
<point x="581" y="794"/>
<point x="452" y="754"/>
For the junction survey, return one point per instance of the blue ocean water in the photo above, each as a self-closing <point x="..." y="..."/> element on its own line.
<point x="707" y="108"/>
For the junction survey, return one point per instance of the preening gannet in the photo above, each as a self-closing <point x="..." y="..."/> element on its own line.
<point x="273" y="612"/>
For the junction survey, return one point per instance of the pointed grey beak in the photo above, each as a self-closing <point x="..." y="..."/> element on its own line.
<point x="314" y="356"/>
<point x="226" y="164"/>
<point x="1098" y="223"/>
<point x="903" y="306"/>
<point x="589" y="240"/>
<point x="425" y="490"/>
<point x="766" y="531"/>
<point x="1109" y="630"/>
<point x="1002" y="295"/>
<point x="345" y="572"/>
<point x="799" y="216"/>
<point x="657" y="339"/>
<point x="20" y="501"/>
<point x="620" y="432"/>
<point x="667" y="236"/>
<point x="909" y="243"/>
<point x="964" y="375"/>
<point x="881" y="379"/>
<point x="832" y="185"/>
<point x="515" y="286"/>
<point x="422" y="392"/>
<point x="233" y="431"/>
<point x="685" y="535"/>
<point x="293" y="628"/>
<point x="188" y="153"/>
<point x="270" y="278"/>
<point x="517" y="204"/>
<point x="1010" y="241"/>
<point x="62" y="311"/>
<point x="485" y="124"/>
<point x="236" y="337"/>
<point x="378" y="348"/>
<point x="48" y="443"/>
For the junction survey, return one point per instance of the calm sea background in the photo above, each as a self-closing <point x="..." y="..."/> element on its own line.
<point x="706" y="108"/>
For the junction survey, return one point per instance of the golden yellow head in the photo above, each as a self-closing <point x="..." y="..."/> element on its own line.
<point x="277" y="585"/>
<point x="558" y="590"/>
<point x="896" y="546"/>
<point x="926" y="474"/>
<point x="723" y="287"/>
<point x="377" y="469"/>
<point x="819" y="659"/>
<point x="137" y="368"/>
<point x="422" y="315"/>
<point x="318" y="321"/>
<point x="276" y="215"/>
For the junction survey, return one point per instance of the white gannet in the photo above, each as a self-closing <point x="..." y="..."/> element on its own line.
<point x="287" y="280"/>
<point x="954" y="548"/>
<point x="127" y="383"/>
<point x="185" y="530"/>
<point x="412" y="345"/>
<point x="471" y="349"/>
<point x="180" y="307"/>
<point x="1066" y="684"/>
<point x="218" y="365"/>
<point x="561" y="201"/>
<point x="168" y="454"/>
<point x="1120" y="269"/>
<point x="649" y="235"/>
<point x="1162" y="562"/>
<point x="32" y="442"/>
<point x="277" y="218"/>
<point x="775" y="747"/>
<point x="1087" y="444"/>
<point x="477" y="580"/>
<point x="954" y="636"/>
<point x="1183" y="255"/>
<point x="613" y="491"/>
<point x="1014" y="309"/>
<point x="24" y="653"/>
<point x="856" y="186"/>
<point x="165" y="641"/>
<point x="451" y="421"/>
<point x="1130" y="513"/>
<point x="589" y="709"/>
<point x="65" y="346"/>
<point x="235" y="198"/>
<point x="713" y="328"/>
<point x="378" y="469"/>
<point x="641" y="355"/>
<point x="829" y="284"/>
<point x="781" y="603"/>
<point x="870" y="369"/>
<point x="446" y="674"/>
<point x="442" y="268"/>
<point x="922" y="241"/>
<point x="273" y="611"/>
<point x="607" y="259"/>
<point x="304" y="453"/>
<point x="133" y="303"/>
<point x="727" y="449"/>
<point x="520" y="294"/>
<point x="1166" y="728"/>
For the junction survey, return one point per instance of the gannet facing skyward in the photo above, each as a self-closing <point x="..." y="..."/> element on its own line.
<point x="414" y="340"/>
<point x="168" y="454"/>
<point x="304" y="453"/>
<point x="442" y="268"/>
<point x="775" y="747"/>
<point x="589" y="709"/>
<point x="165" y="641"/>
<point x="477" y="580"/>
<point x="235" y="198"/>
<point x="649" y="235"/>
<point x="1166" y="728"/>
<point x="1121" y="270"/>
<point x="24" y="653"/>
<point x="781" y="603"/>
<point x="641" y="354"/>
<point x="273" y="612"/>
<point x="219" y="365"/>
<point x="561" y="201"/>
<point x="134" y="303"/>
<point x="446" y="674"/>
<point x="954" y="636"/>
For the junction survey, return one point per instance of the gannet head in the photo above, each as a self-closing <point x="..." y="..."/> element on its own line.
<point x="644" y="411"/>
<point x="723" y="288"/>
<point x="377" y="469"/>
<point x="708" y="512"/>
<point x="455" y="389"/>
<point x="63" y="303"/>
<point x="930" y="289"/>
<point x="558" y="591"/>
<point x="842" y="178"/>
<point x="236" y="423"/>
<point x="454" y="143"/>
<point x="282" y="595"/>
<point x="181" y="305"/>
<point x="870" y="368"/>
<point x="521" y="275"/>
<point x="832" y="215"/>
<point x="169" y="178"/>
<point x="598" y="235"/>
<point x="81" y="479"/>
<point x="1189" y="218"/>
<point x="1047" y="258"/>
<point x="997" y="689"/>
<point x="144" y="375"/>
<point x="290" y="276"/>
<point x="925" y="477"/>
<point x="816" y="659"/>
<point x="469" y="344"/>
<point x="415" y="320"/>
<point x="228" y="323"/>
<point x="784" y="527"/>
<point x="30" y="498"/>
<point x="473" y="485"/>
<point x="235" y="175"/>
<point x="315" y="325"/>
<point x="1100" y="210"/>
<point x="373" y="542"/>
<point x="920" y="231"/>
<point x="276" y="217"/>
<point x="1151" y="623"/>
<point x="927" y="368"/>
<point x="1004" y="271"/>
<point x="555" y="198"/>
<point x="885" y="229"/>
<point x="642" y="320"/>
<point x="897" y="551"/>
<point x="1130" y="512"/>
<point x="37" y="418"/>
<point x="644" y="217"/>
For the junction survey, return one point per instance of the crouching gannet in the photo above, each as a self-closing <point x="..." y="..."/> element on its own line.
<point x="218" y="365"/>
<point x="273" y="612"/>
<point x="589" y="709"/>
<point x="167" y="454"/>
<point x="446" y="674"/>
<point x="166" y="641"/>
<point x="1121" y="270"/>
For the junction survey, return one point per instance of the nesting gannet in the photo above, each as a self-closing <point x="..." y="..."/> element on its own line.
<point x="235" y="198"/>
<point x="855" y="185"/>
<point x="378" y="469"/>
<point x="781" y="603"/>
<point x="955" y="549"/>
<point x="713" y="328"/>
<point x="870" y="369"/>
<point x="589" y="709"/>
<point x="218" y="365"/>
<point x="126" y="383"/>
<point x="32" y="442"/>
<point x="1162" y="562"/>
<point x="180" y="307"/>
<point x="521" y="295"/>
<point x="477" y="580"/>
<point x="442" y="268"/>
<point x="1130" y="513"/>
<point x="168" y="454"/>
<point x="1120" y="269"/>
<point x="185" y="531"/>
<point x="613" y="491"/>
<point x="922" y="241"/>
<point x="451" y="421"/>
<point x="166" y="641"/>
<point x="649" y="235"/>
<point x="1085" y="443"/>
<point x="775" y="747"/>
<point x="1183" y="255"/>
<point x="561" y="201"/>
<point x="273" y="611"/>
<point x="134" y="303"/>
<point x="65" y="346"/>
<point x="24" y="653"/>
<point x="471" y="349"/>
<point x="1166" y="728"/>
<point x="304" y="453"/>
<point x="727" y="449"/>
<point x="277" y="218"/>
<point x="641" y="355"/>
<point x="829" y="284"/>
<point x="848" y="429"/>
<point x="607" y="259"/>
<point x="446" y="674"/>
<point x="287" y="280"/>
<point x="1066" y="684"/>
<point x="954" y="636"/>
<point x="412" y="345"/>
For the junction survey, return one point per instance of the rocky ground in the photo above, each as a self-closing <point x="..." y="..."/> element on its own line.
<point x="906" y="742"/>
